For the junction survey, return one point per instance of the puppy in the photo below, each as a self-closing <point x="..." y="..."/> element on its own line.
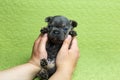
<point x="58" y="28"/>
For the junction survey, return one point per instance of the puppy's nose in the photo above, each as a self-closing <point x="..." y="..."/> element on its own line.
<point x="56" y="31"/>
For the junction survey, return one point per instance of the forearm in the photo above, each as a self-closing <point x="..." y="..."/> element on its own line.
<point x="23" y="72"/>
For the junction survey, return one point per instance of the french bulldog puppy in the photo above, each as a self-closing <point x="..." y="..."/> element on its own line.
<point x="58" y="28"/>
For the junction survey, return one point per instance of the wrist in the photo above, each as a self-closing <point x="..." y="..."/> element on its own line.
<point x="34" y="65"/>
<point x="61" y="75"/>
<point x="68" y="70"/>
<point x="65" y="72"/>
<point x="31" y="70"/>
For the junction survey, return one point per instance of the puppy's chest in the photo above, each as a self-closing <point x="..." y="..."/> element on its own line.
<point x="52" y="50"/>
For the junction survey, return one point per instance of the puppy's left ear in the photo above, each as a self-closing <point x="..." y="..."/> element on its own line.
<point x="73" y="23"/>
<point x="48" y="19"/>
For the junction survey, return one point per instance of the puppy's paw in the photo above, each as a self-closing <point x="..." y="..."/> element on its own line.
<point x="43" y="75"/>
<point x="43" y="63"/>
<point x="44" y="30"/>
<point x="73" y="33"/>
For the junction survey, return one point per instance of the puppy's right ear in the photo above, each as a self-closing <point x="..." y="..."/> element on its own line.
<point x="73" y="23"/>
<point x="48" y="19"/>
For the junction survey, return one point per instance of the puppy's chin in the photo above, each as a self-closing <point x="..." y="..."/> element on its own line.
<point x="55" y="40"/>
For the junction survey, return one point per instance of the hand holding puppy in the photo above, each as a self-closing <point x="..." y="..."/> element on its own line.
<point x="66" y="59"/>
<point x="39" y="50"/>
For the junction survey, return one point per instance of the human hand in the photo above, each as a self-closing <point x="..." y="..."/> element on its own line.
<point x="39" y="50"/>
<point x="68" y="57"/>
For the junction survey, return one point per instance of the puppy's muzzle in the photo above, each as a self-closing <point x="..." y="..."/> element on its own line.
<point x="56" y="32"/>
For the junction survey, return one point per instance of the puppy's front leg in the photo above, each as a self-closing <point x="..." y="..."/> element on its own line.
<point x="73" y="33"/>
<point x="43" y="74"/>
<point x="44" y="63"/>
<point x="44" y="30"/>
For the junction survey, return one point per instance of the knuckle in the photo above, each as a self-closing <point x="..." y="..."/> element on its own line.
<point x="66" y="42"/>
<point x="78" y="53"/>
<point x="36" y="42"/>
<point x="77" y="50"/>
<point x="41" y="50"/>
<point x="36" y="53"/>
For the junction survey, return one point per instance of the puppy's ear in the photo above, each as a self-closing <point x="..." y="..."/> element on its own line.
<point x="48" y="19"/>
<point x="73" y="23"/>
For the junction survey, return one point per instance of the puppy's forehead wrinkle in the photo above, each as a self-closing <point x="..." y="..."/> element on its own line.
<point x="60" y="24"/>
<point x="60" y="20"/>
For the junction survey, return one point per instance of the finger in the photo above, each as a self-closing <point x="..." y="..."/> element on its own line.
<point x="74" y="44"/>
<point x="36" y="43"/>
<point x="42" y="45"/>
<point x="66" y="43"/>
<point x="74" y="47"/>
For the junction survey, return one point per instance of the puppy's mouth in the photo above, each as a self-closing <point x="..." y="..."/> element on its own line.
<point x="55" y="40"/>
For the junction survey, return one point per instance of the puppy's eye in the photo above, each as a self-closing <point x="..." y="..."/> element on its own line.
<point x="65" y="29"/>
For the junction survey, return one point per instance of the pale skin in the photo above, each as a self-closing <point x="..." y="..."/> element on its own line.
<point x="66" y="61"/>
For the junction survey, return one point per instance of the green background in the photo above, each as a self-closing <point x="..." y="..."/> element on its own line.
<point x="98" y="33"/>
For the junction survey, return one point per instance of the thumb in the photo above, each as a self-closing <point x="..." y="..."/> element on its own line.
<point x="42" y="46"/>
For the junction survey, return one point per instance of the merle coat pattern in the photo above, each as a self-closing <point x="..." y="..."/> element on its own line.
<point x="57" y="29"/>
